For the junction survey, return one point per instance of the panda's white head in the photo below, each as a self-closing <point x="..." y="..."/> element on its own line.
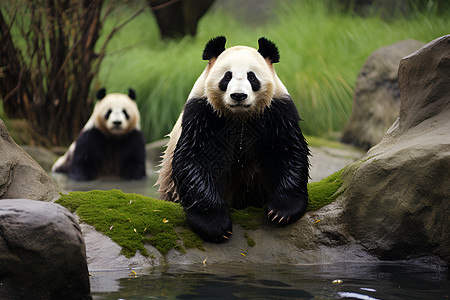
<point x="116" y="114"/>
<point x="239" y="81"/>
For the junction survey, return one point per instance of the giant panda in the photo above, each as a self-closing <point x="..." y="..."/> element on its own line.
<point x="237" y="143"/>
<point x="111" y="143"/>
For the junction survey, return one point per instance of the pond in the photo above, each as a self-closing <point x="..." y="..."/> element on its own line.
<point x="397" y="280"/>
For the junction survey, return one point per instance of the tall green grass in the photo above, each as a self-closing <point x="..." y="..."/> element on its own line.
<point x="322" y="50"/>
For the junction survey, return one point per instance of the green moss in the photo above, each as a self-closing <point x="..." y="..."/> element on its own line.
<point x="191" y="240"/>
<point x="325" y="191"/>
<point x="163" y="241"/>
<point x="130" y="220"/>
<point x="249" y="218"/>
<point x="250" y="241"/>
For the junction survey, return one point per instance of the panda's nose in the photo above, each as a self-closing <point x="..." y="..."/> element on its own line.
<point x="117" y="123"/>
<point x="238" y="96"/>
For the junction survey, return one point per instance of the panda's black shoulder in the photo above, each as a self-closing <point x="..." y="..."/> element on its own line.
<point x="196" y="106"/>
<point x="283" y="107"/>
<point x="199" y="111"/>
<point x="89" y="136"/>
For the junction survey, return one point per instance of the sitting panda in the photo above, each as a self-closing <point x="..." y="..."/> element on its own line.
<point x="110" y="144"/>
<point x="237" y="143"/>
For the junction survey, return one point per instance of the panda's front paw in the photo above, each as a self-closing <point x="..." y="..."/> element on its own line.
<point x="286" y="209"/>
<point x="210" y="226"/>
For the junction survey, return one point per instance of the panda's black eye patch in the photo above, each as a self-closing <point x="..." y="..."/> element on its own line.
<point x="127" y="116"/>
<point x="223" y="84"/>
<point x="108" y="113"/>
<point x="254" y="82"/>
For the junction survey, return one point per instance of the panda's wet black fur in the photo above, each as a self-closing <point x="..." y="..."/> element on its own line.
<point x="97" y="154"/>
<point x="217" y="165"/>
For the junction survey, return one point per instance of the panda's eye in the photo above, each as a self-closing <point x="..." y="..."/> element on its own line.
<point x="127" y="116"/>
<point x="228" y="75"/>
<point x="223" y="84"/>
<point x="254" y="82"/>
<point x="251" y="76"/>
<point x="107" y="114"/>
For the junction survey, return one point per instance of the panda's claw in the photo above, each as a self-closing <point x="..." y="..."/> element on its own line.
<point x="229" y="232"/>
<point x="276" y="216"/>
<point x="279" y="221"/>
<point x="270" y="213"/>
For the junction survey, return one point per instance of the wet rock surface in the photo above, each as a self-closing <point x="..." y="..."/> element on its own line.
<point x="42" y="253"/>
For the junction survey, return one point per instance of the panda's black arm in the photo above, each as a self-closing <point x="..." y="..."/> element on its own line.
<point x="196" y="172"/>
<point x="132" y="156"/>
<point x="191" y="165"/>
<point x="87" y="157"/>
<point x="285" y="162"/>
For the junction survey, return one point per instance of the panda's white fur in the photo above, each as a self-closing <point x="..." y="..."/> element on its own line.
<point x="115" y="115"/>
<point x="165" y="181"/>
<point x="240" y="60"/>
<point x="123" y="116"/>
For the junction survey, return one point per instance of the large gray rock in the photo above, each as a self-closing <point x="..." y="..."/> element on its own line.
<point x="42" y="253"/>
<point x="20" y="175"/>
<point x="398" y="197"/>
<point x="376" y="99"/>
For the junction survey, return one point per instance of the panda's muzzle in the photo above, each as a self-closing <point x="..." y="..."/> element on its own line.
<point x="238" y="96"/>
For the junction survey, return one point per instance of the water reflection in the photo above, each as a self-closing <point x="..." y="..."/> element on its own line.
<point x="359" y="281"/>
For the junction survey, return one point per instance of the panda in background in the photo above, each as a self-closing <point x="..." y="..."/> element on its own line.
<point x="110" y="144"/>
<point x="237" y="143"/>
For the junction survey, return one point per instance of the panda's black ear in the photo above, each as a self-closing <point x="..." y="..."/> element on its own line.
<point x="214" y="47"/>
<point x="268" y="50"/>
<point x="132" y="94"/>
<point x="101" y="93"/>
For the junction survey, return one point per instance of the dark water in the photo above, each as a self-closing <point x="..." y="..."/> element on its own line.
<point x="241" y="281"/>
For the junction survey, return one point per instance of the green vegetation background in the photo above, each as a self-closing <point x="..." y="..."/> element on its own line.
<point x="322" y="50"/>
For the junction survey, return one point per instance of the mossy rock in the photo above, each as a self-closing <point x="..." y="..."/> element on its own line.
<point x="132" y="220"/>
<point x="325" y="191"/>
